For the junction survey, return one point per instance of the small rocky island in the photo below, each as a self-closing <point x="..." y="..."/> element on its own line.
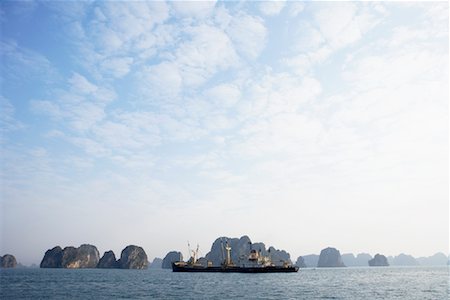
<point x="378" y="261"/>
<point x="87" y="256"/>
<point x="170" y="258"/>
<point x="8" y="261"/>
<point x="133" y="257"/>
<point x="108" y="261"/>
<point x="301" y="262"/>
<point x="330" y="258"/>
<point x="156" y="263"/>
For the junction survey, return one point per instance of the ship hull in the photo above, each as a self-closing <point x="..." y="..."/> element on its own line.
<point x="271" y="269"/>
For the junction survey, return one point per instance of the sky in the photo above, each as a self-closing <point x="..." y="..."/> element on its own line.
<point x="300" y="124"/>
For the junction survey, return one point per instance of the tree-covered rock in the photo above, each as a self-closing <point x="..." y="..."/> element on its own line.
<point x="378" y="261"/>
<point x="133" y="257"/>
<point x="330" y="258"/>
<point x="171" y="257"/>
<point x="108" y="261"/>
<point x="300" y="262"/>
<point x="240" y="250"/>
<point x="8" y="261"/>
<point x="156" y="263"/>
<point x="85" y="256"/>
<point x="52" y="258"/>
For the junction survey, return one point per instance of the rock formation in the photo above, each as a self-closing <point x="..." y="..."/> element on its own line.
<point x="378" y="261"/>
<point x="240" y="250"/>
<point x="108" y="261"/>
<point x="330" y="258"/>
<point x="238" y="247"/>
<point x="360" y="260"/>
<point x="8" y="261"/>
<point x="156" y="263"/>
<point x="69" y="257"/>
<point x="301" y="262"/>
<point x="311" y="260"/>
<point x="438" y="259"/>
<point x="133" y="257"/>
<point x="279" y="257"/>
<point x="404" y="260"/>
<point x="170" y="258"/>
<point x="85" y="256"/>
<point x="52" y="258"/>
<point x="202" y="261"/>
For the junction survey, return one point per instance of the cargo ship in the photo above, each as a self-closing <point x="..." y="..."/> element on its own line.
<point x="256" y="263"/>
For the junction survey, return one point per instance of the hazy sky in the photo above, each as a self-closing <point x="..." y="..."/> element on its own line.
<point x="302" y="125"/>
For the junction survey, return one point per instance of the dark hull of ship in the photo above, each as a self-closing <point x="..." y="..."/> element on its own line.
<point x="270" y="269"/>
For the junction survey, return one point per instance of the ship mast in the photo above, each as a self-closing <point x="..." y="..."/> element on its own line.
<point x="193" y="253"/>
<point x="228" y="248"/>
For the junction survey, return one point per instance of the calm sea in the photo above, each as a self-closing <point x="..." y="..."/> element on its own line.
<point x="343" y="283"/>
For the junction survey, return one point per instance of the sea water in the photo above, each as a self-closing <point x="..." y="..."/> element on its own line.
<point x="338" y="283"/>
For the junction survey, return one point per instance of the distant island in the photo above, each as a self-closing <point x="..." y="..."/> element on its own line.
<point x="365" y="259"/>
<point x="87" y="256"/>
<point x="378" y="261"/>
<point x="8" y="261"/>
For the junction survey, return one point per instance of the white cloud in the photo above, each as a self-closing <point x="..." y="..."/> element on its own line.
<point x="163" y="80"/>
<point x="81" y="106"/>
<point x="194" y="9"/>
<point x="224" y="95"/>
<point x="303" y="63"/>
<point x="7" y="120"/>
<point x="20" y="63"/>
<point x="306" y="38"/>
<point x="271" y="8"/>
<point x="278" y="93"/>
<point x="181" y="130"/>
<point x="118" y="67"/>
<point x="345" y="23"/>
<point x="120" y="32"/>
<point x="119" y="136"/>
<point x="295" y="8"/>
<point x="284" y="134"/>
<point x="336" y="24"/>
<point x="69" y="11"/>
<point x="208" y="51"/>
<point x="128" y="21"/>
<point x="47" y="107"/>
<point x="393" y="70"/>
<point x="248" y="33"/>
<point x="80" y="84"/>
<point x="109" y="40"/>
<point x="85" y="115"/>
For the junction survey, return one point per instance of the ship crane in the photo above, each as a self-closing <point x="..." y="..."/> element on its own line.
<point x="193" y="253"/>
